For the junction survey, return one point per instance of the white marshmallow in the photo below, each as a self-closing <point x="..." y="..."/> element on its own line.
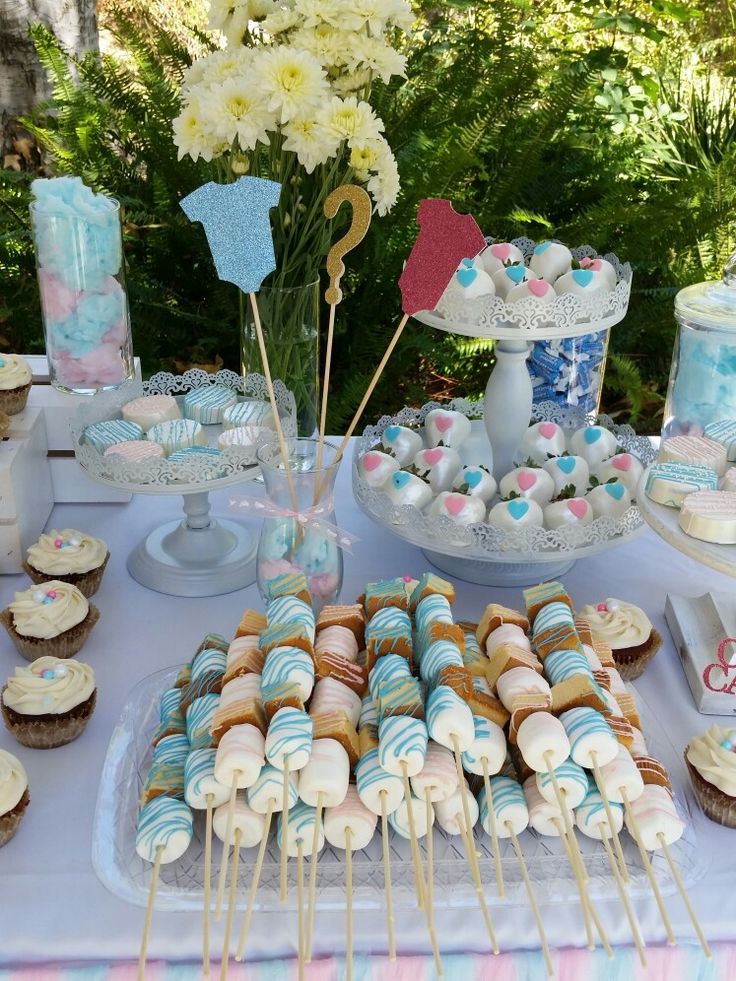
<point x="250" y="824"/>
<point x="399" y="819"/>
<point x="268" y="790"/>
<point x="438" y="775"/>
<point x="374" y="783"/>
<point x="331" y="695"/>
<point x="655" y="813"/>
<point x="302" y="819"/>
<point x="240" y="755"/>
<point x="353" y="814"/>
<point x="546" y="818"/>
<point x="450" y="813"/>
<point x="507" y="633"/>
<point x="449" y="719"/>
<point x="488" y="747"/>
<point x="520" y="681"/>
<point x="622" y="774"/>
<point x="326" y="773"/>
<point x="539" y="734"/>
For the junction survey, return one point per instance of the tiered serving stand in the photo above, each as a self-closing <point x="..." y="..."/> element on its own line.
<point x="199" y="555"/>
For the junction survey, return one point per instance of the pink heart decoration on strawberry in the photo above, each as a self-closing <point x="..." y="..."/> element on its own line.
<point x="526" y="480"/>
<point x="371" y="461"/>
<point x="622" y="462"/>
<point x="587" y="263"/>
<point x="501" y="251"/>
<point x="547" y="429"/>
<point x="454" y="504"/>
<point x="538" y="287"/>
<point x="443" y="423"/>
<point x="433" y="456"/>
<point x="578" y="507"/>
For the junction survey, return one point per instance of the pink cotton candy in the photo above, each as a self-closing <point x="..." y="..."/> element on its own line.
<point x="278" y="567"/>
<point x="104" y="366"/>
<point x="117" y="334"/>
<point x="58" y="301"/>
<point x="322" y="585"/>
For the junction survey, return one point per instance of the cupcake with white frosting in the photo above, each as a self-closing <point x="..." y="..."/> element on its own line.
<point x="53" y="618"/>
<point x="711" y="763"/>
<point x="15" y="383"/>
<point x="49" y="703"/>
<point x="627" y="630"/>
<point x="14" y="796"/>
<point x="69" y="556"/>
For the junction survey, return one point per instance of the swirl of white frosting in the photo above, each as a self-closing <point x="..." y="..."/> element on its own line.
<point x="77" y="553"/>
<point x="34" y="617"/>
<point x="14" y="372"/>
<point x="619" y="625"/>
<point x="49" y="685"/>
<point x="714" y="762"/>
<point x="13" y="781"/>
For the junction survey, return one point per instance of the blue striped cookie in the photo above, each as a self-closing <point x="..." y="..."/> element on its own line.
<point x="208" y="403"/>
<point x="102" y="435"/>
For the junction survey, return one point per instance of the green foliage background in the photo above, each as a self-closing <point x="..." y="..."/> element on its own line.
<point x="611" y="122"/>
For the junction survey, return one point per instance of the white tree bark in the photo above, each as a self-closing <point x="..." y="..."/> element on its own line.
<point x="22" y="81"/>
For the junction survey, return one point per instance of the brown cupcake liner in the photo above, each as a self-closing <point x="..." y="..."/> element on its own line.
<point x="49" y="731"/>
<point x="86" y="582"/>
<point x="716" y="805"/>
<point x="4" y="424"/>
<point x="14" y="400"/>
<point x="10" y="821"/>
<point x="67" y="644"/>
<point x="631" y="664"/>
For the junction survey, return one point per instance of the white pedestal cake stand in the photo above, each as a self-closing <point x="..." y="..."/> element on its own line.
<point x="199" y="555"/>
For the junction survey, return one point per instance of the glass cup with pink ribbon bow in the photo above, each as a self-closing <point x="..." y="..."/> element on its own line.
<point x="299" y="532"/>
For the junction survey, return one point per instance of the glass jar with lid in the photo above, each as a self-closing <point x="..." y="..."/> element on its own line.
<point x="702" y="385"/>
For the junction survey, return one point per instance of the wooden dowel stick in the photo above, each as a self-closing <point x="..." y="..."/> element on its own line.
<point x="226" y="842"/>
<point x="609" y="816"/>
<point x="349" y="905"/>
<point x="207" y="887"/>
<point x="500" y="887"/>
<point x="272" y="399"/>
<point x="387" y="887"/>
<point x="462" y="786"/>
<point x="621" y="885"/>
<point x="149" y="913"/>
<point x="585" y="897"/>
<point x="283" y="889"/>
<point x="300" y="904"/>
<point x="256" y="878"/>
<point x="230" y="906"/>
<point x="584" y="904"/>
<point x="634" y="825"/>
<point x="469" y="843"/>
<point x="532" y="899"/>
<point x="413" y="840"/>
<point x="430" y="848"/>
<point x="313" y="860"/>
<point x="326" y="385"/>
<point x="565" y="812"/>
<point x="683" y="893"/>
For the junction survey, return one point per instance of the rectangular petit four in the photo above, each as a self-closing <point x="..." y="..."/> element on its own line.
<point x="293" y="634"/>
<point x="251" y="624"/>
<point x="429" y="584"/>
<point x="288" y="584"/>
<point x="388" y="632"/>
<point x="494" y="616"/>
<point x="670" y="483"/>
<point x="350" y="615"/>
<point x="537" y="597"/>
<point x="385" y="592"/>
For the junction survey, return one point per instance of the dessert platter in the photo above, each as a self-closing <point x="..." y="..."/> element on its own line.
<point x="425" y="476"/>
<point x="388" y="713"/>
<point x="188" y="435"/>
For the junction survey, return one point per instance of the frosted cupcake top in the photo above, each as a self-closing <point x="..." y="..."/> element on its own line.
<point x="64" y="552"/>
<point x="714" y="757"/>
<point x="618" y="624"/>
<point x="49" y="685"/>
<point x="48" y="610"/>
<point x="14" y="372"/>
<point x="13" y="781"/>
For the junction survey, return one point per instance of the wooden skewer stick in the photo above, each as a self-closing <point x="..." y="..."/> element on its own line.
<point x="413" y="840"/>
<point x="469" y="843"/>
<point x="231" y="906"/>
<point x="284" y="833"/>
<point x="149" y="913"/>
<point x="683" y="893"/>
<point x="634" y="824"/>
<point x="585" y="906"/>
<point x="313" y="860"/>
<point x="300" y="903"/>
<point x="387" y="888"/>
<point x="326" y="384"/>
<point x="621" y="885"/>
<point x="609" y="815"/>
<point x="430" y="849"/>
<point x="532" y="898"/>
<point x="243" y="935"/>
<point x="565" y="812"/>
<point x="207" y="887"/>
<point x="226" y="842"/>
<point x="349" y="905"/>
<point x="494" y="830"/>
<point x="272" y="399"/>
<point x="462" y="786"/>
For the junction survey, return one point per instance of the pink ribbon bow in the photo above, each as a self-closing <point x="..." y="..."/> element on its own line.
<point x="315" y="517"/>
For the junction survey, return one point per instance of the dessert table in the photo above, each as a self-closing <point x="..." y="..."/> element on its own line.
<point x="55" y="913"/>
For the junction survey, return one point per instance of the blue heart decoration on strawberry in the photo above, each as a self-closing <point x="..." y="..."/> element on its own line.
<point x="616" y="490"/>
<point x="566" y="464"/>
<point x="468" y="263"/>
<point x="591" y="435"/>
<point x="473" y="478"/>
<point x="467" y="276"/>
<point x="516" y="273"/>
<point x="517" y="509"/>
<point x="542" y="247"/>
<point x="400" y="479"/>
<point x="392" y="432"/>
<point x="583" y="277"/>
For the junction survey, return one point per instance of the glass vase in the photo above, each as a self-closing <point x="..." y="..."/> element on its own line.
<point x="84" y="302"/>
<point x="300" y="535"/>
<point x="290" y="322"/>
<point x="569" y="371"/>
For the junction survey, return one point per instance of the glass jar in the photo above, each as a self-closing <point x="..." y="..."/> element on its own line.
<point x="84" y="303"/>
<point x="300" y="534"/>
<point x="569" y="371"/>
<point x="702" y="385"/>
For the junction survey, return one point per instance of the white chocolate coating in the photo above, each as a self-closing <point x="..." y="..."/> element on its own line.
<point x="403" y="442"/>
<point x="512" y="515"/>
<point x="438" y="775"/>
<point x="499" y="254"/>
<point x="376" y="467"/>
<point x="438" y="465"/>
<point x="541" y="441"/>
<point x="353" y="814"/>
<point x="609" y="500"/>
<point x="446" y="427"/>
<point x="540" y="734"/>
<point x="240" y="756"/>
<point x="478" y="482"/>
<point x="326" y="773"/>
<point x="568" y="471"/>
<point x="147" y="410"/>
<point x="594" y="444"/>
<point x="655" y="813"/>
<point x="550" y="260"/>
<point x="624" y="467"/>
<point x="532" y="483"/>
<point x="250" y="824"/>
<point x="622" y="774"/>
<point x="406" y="488"/>
<point x="710" y="516"/>
<point x="460" y="508"/>
<point x="508" y="277"/>
<point x="574" y="511"/>
<point x="337" y="640"/>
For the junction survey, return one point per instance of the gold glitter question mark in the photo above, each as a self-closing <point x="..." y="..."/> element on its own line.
<point x="361" y="205"/>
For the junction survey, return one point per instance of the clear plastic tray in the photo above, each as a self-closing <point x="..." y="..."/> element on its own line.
<point x="181" y="883"/>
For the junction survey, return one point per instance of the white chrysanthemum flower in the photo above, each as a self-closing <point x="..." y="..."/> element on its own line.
<point x="351" y="120"/>
<point x="232" y="17"/>
<point x="191" y="133"/>
<point x="280" y="21"/>
<point x="310" y="141"/>
<point x="377" y="56"/>
<point x="384" y="184"/>
<point x="316" y="12"/>
<point x="292" y="82"/>
<point x="401" y="16"/>
<point x="326" y="43"/>
<point x="347" y="84"/>
<point x="218" y="66"/>
<point x="235" y="110"/>
<point x="371" y="14"/>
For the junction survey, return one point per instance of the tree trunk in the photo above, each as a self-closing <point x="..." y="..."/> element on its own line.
<point x="22" y="81"/>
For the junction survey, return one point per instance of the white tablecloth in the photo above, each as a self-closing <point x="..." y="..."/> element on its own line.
<point x="52" y="906"/>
